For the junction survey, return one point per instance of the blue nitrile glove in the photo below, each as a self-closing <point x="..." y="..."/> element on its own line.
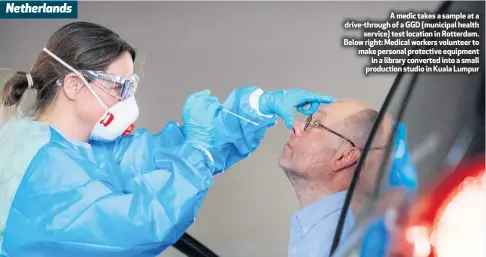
<point x="282" y="103"/>
<point x="403" y="172"/>
<point x="198" y="114"/>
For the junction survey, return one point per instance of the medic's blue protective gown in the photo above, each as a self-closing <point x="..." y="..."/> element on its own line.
<point x="133" y="197"/>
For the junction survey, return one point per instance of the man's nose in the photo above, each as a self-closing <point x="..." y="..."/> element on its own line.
<point x="297" y="129"/>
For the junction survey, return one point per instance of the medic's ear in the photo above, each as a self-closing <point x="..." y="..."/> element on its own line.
<point x="345" y="157"/>
<point x="72" y="85"/>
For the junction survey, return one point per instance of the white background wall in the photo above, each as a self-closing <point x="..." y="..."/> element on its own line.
<point x="189" y="46"/>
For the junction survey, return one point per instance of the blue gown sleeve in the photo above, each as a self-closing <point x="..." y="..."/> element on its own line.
<point x="235" y="137"/>
<point x="72" y="208"/>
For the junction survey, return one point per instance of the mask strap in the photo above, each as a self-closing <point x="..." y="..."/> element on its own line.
<point x="77" y="73"/>
<point x="30" y="80"/>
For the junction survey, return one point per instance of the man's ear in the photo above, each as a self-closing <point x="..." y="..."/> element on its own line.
<point x="345" y="157"/>
<point x="72" y="85"/>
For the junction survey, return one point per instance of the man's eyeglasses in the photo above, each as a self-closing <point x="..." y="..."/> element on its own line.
<point x="317" y="124"/>
<point x="309" y="121"/>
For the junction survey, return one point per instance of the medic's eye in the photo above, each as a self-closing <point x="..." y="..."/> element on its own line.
<point x="118" y="88"/>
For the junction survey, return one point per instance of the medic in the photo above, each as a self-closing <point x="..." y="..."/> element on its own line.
<point x="75" y="182"/>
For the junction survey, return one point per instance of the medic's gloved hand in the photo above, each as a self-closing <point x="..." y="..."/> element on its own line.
<point x="198" y="114"/>
<point x="282" y="103"/>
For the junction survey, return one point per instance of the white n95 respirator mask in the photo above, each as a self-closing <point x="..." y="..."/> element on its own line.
<point x="117" y="120"/>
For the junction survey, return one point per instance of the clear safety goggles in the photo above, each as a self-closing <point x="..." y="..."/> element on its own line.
<point x="120" y="87"/>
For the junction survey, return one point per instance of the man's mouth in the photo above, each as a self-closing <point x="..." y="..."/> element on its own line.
<point x="288" y="145"/>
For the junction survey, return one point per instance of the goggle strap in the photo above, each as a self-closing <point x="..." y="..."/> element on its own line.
<point x="77" y="73"/>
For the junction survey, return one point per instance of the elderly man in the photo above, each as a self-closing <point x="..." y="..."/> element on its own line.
<point x="319" y="160"/>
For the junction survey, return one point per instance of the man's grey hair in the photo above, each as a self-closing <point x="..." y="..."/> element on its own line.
<point x="358" y="126"/>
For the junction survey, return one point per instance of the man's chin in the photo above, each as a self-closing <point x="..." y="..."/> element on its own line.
<point x="284" y="163"/>
<point x="282" y="160"/>
<point x="281" y="164"/>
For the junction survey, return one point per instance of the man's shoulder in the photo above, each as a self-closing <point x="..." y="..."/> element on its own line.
<point x="332" y="220"/>
<point x="317" y="240"/>
<point x="329" y="222"/>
